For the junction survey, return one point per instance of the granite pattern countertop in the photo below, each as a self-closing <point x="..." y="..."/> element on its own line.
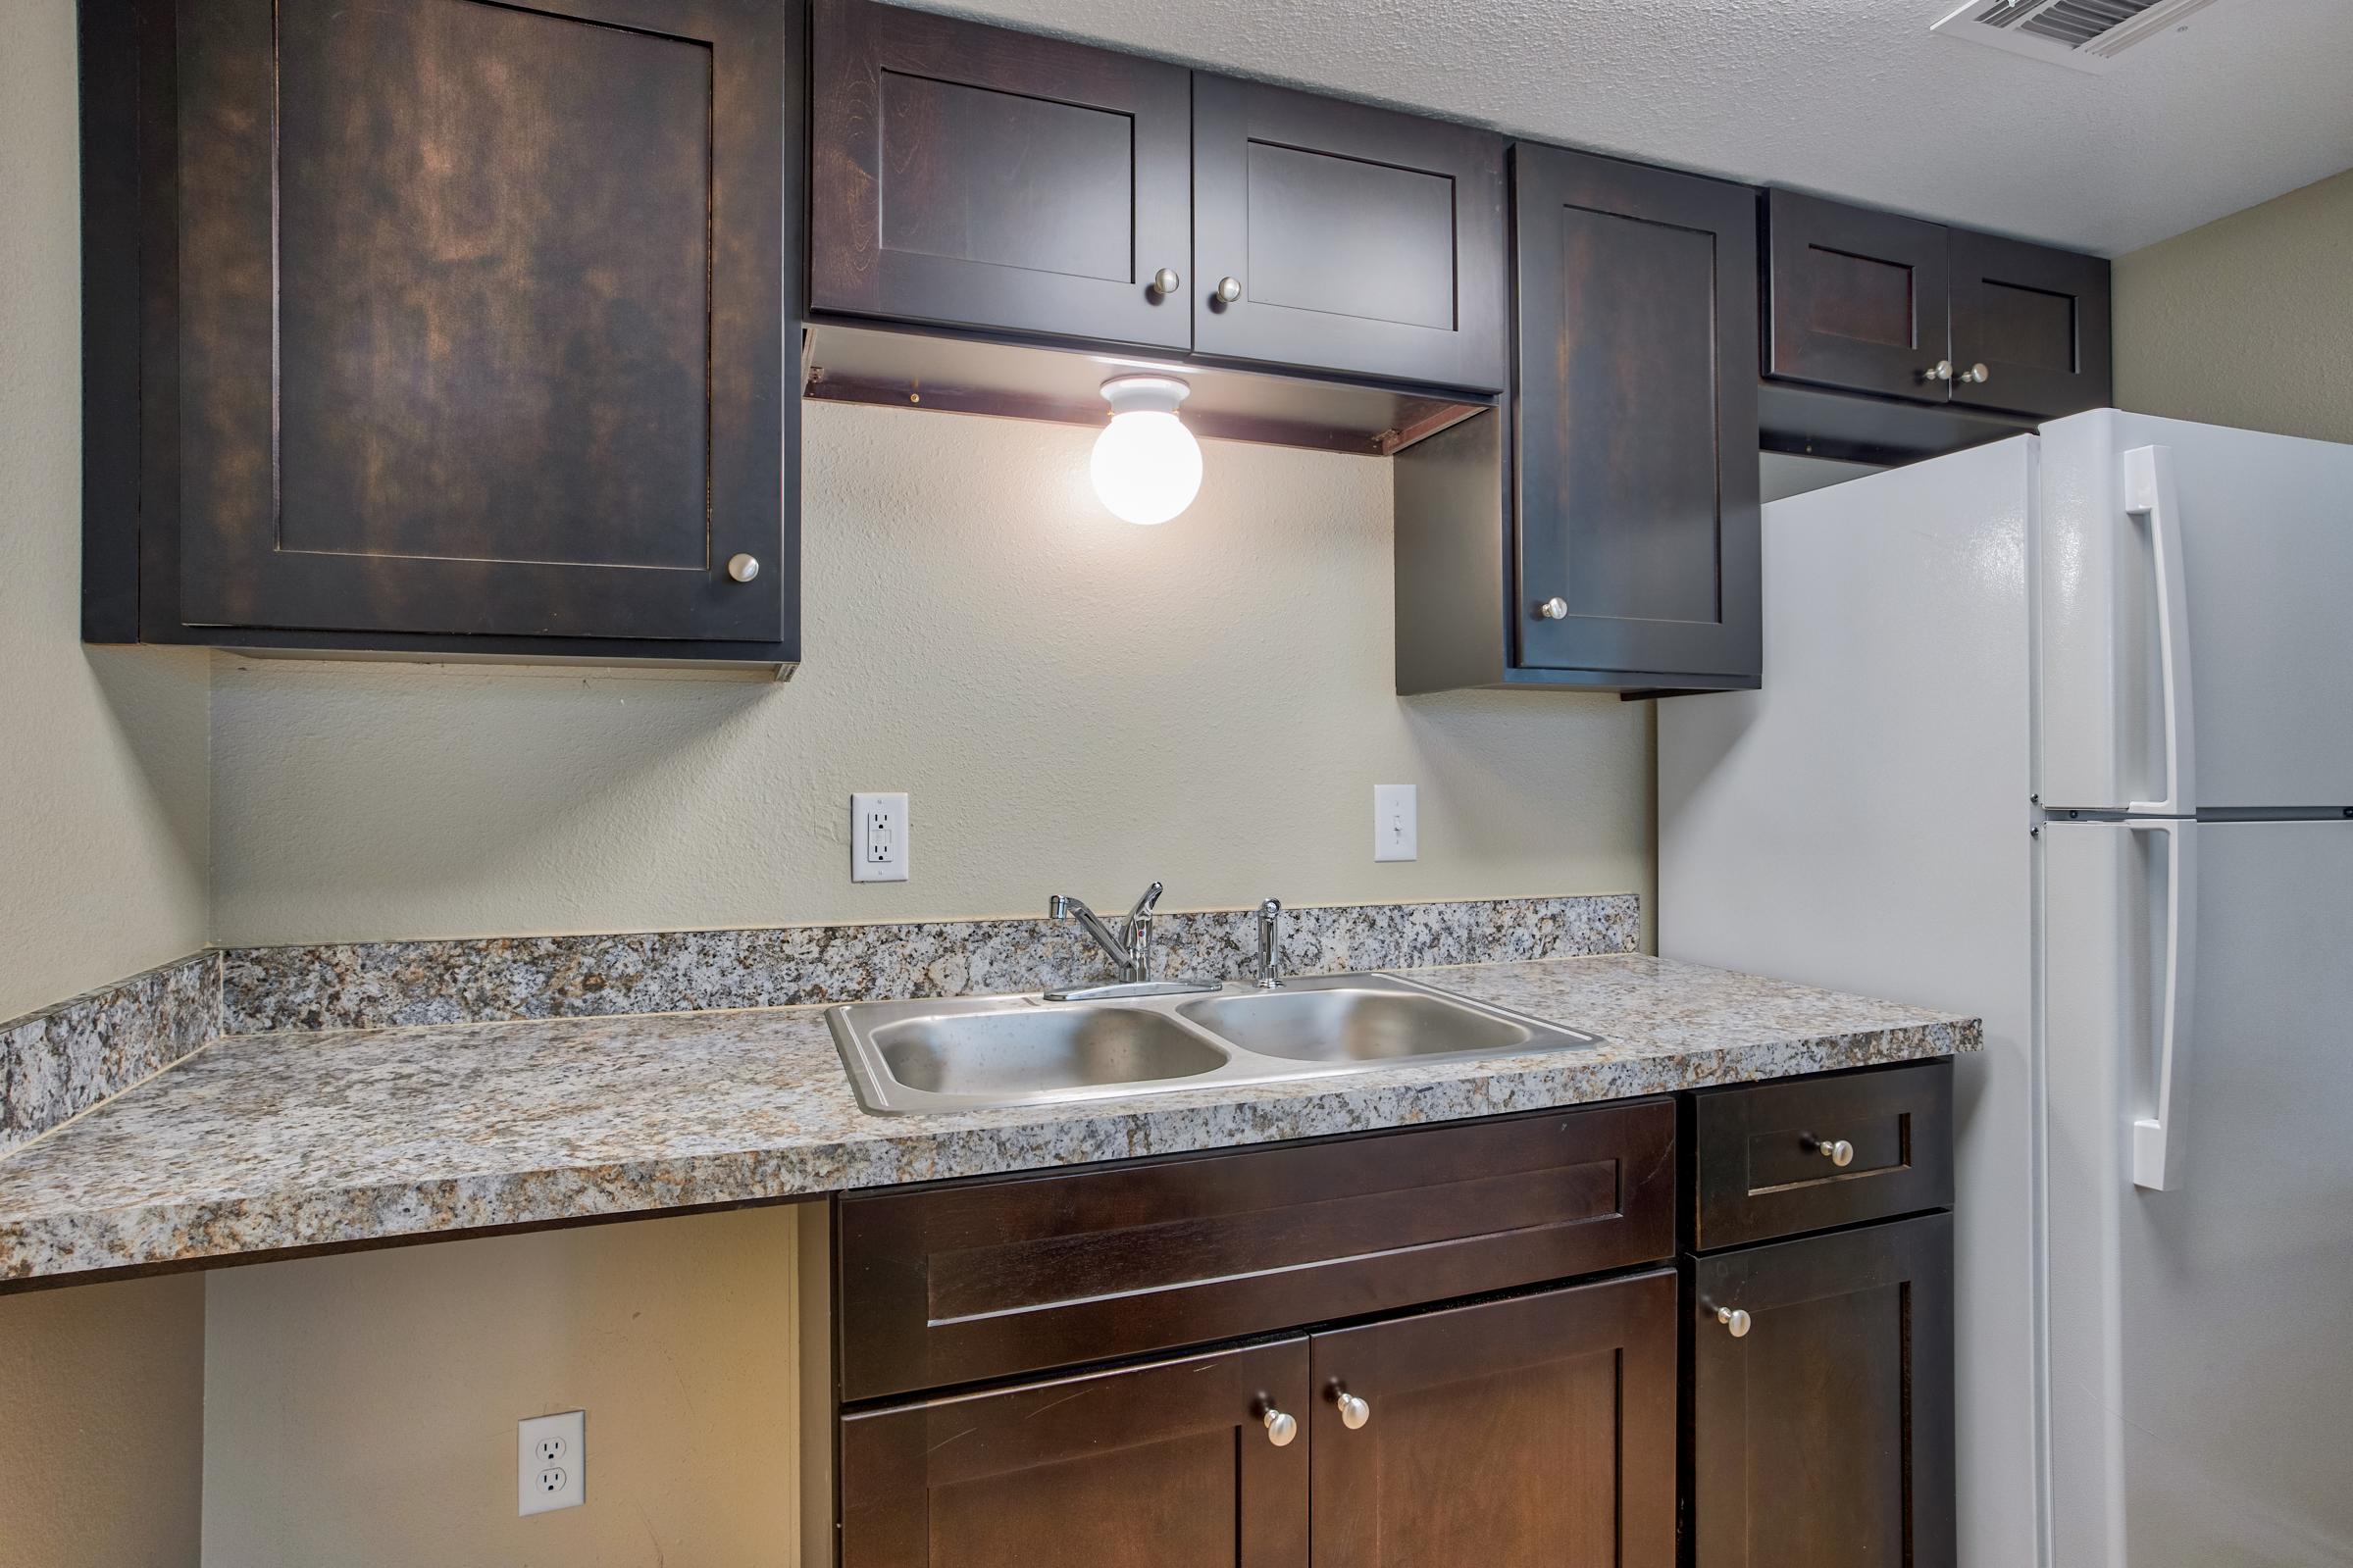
<point x="265" y="1142"/>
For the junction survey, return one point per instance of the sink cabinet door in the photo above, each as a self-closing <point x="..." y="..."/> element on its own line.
<point x="1539" y="1428"/>
<point x="1167" y="1465"/>
<point x="971" y="177"/>
<point x="1360" y="241"/>
<point x="1826" y="1433"/>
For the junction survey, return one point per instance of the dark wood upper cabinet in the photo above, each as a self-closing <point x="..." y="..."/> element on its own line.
<point x="1535" y="1429"/>
<point x="1357" y="240"/>
<point x="1167" y="1465"/>
<point x="1866" y="301"/>
<point x="970" y="176"/>
<point x="464" y="324"/>
<point x="2035" y="319"/>
<point x="1636" y="450"/>
<point x="1825" y="1432"/>
<point x="1857" y="298"/>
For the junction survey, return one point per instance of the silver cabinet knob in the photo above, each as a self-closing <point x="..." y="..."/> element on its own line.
<point x="1166" y="281"/>
<point x="1942" y="370"/>
<point x="1229" y="289"/>
<point x="1280" y="1426"/>
<point x="743" y="568"/>
<point x="1736" y="1320"/>
<point x="1555" y="607"/>
<point x="1837" y="1150"/>
<point x="1353" y="1412"/>
<point x="1976" y="373"/>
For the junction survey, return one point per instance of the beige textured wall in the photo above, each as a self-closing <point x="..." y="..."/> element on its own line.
<point x="1074" y="704"/>
<point x="102" y="870"/>
<point x="360" y="1411"/>
<point x="102" y="751"/>
<point x="101" y="1412"/>
<point x="2247" y="321"/>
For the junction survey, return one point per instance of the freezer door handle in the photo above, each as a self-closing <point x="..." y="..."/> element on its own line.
<point x="2157" y="1135"/>
<point x="2150" y="494"/>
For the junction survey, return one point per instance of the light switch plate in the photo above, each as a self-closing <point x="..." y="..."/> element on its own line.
<point x="1394" y="833"/>
<point x="877" y="838"/>
<point x="551" y="1462"/>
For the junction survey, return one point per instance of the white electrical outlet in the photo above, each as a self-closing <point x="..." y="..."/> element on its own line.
<point x="1395" y="835"/>
<point x="877" y="838"/>
<point x="551" y="1462"/>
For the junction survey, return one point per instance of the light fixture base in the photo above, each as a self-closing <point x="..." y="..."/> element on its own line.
<point x="1146" y="394"/>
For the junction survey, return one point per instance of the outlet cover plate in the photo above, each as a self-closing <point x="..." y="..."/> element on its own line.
<point x="551" y="1462"/>
<point x="877" y="838"/>
<point x="1395" y="835"/>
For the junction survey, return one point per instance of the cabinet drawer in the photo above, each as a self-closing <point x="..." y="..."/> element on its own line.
<point x="1757" y="1160"/>
<point x="959" y="1282"/>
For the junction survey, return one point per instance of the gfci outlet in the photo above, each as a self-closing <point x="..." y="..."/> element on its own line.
<point x="1395" y="835"/>
<point x="551" y="1462"/>
<point x="877" y="838"/>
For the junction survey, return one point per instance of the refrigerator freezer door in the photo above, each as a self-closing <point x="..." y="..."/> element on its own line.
<point x="2199" y="1368"/>
<point x="2254" y="600"/>
<point x="1861" y="823"/>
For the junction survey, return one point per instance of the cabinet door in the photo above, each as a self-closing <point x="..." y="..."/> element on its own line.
<point x="1168" y="1465"/>
<point x="1360" y="241"/>
<point x="2035" y="319"/>
<point x="481" y="316"/>
<point x="1826" y="1433"/>
<point x="973" y="176"/>
<point x="1857" y="297"/>
<point x="1637" y="421"/>
<point x="1535" y="1429"/>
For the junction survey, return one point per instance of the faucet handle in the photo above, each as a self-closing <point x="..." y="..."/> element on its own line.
<point x="1145" y="905"/>
<point x="1270" y="944"/>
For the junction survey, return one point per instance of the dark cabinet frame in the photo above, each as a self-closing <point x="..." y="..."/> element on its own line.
<point x="179" y="537"/>
<point x="857" y="44"/>
<point x="1981" y="264"/>
<point x="1911" y="1258"/>
<point x="1564" y="401"/>
<point x="1805" y="310"/>
<point x="1229" y="117"/>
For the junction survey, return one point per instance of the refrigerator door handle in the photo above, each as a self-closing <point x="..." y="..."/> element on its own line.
<point x="2150" y="494"/>
<point x="2156" y="1136"/>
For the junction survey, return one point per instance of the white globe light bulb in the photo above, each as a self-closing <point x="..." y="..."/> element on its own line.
<point x="1146" y="465"/>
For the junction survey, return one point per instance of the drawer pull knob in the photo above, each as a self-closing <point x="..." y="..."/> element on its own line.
<point x="1353" y="1412"/>
<point x="1976" y="373"/>
<point x="1736" y="1320"/>
<point x="1942" y="370"/>
<point x="1555" y="607"/>
<point x="1281" y="1427"/>
<point x="743" y="568"/>
<point x="1166" y="282"/>
<point x="1837" y="1150"/>
<point x="1229" y="289"/>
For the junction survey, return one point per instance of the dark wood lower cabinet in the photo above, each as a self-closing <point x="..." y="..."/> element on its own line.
<point x="1168" y="1465"/>
<point x="1538" y="1430"/>
<point x="1609" y="1422"/>
<point x="1824" y="1434"/>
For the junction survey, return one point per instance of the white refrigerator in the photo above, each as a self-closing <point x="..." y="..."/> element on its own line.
<point x="2060" y="732"/>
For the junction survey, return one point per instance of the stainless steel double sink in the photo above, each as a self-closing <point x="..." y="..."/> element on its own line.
<point x="984" y="1052"/>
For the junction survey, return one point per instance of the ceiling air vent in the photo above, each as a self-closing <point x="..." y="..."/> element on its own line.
<point x="2085" y="34"/>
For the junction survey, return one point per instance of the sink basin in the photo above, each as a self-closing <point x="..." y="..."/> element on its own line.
<point x="1350" y="1021"/>
<point x="1040" y="1049"/>
<point x="979" y="1054"/>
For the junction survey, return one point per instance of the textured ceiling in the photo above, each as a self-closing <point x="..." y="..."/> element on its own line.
<point x="1851" y="98"/>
